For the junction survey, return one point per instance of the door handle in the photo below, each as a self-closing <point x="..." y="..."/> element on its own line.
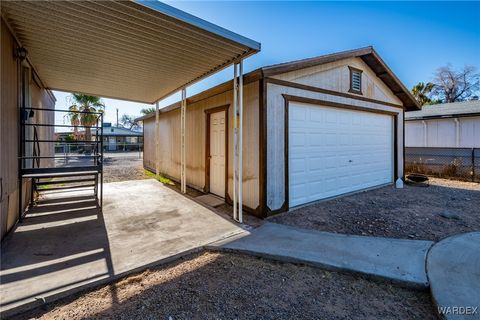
<point x="1" y="189"/>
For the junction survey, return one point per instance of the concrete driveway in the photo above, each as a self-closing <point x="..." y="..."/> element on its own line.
<point x="66" y="245"/>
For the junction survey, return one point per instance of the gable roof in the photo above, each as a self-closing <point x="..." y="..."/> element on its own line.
<point x="367" y="54"/>
<point x="446" y="110"/>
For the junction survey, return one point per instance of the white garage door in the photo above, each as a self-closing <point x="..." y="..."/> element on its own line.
<point x="332" y="151"/>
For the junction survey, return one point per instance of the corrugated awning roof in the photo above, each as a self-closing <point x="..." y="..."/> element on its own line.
<point x="133" y="50"/>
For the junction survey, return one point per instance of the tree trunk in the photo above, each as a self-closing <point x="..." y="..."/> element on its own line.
<point x="88" y="138"/>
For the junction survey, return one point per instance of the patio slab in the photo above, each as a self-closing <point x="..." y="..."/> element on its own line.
<point x="66" y="245"/>
<point x="397" y="260"/>
<point x="453" y="267"/>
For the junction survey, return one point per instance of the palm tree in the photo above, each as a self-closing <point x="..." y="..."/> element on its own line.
<point x="79" y="116"/>
<point x="421" y="92"/>
<point x="146" y="111"/>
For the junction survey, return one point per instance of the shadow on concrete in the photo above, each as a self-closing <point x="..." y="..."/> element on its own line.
<point x="57" y="238"/>
<point x="66" y="245"/>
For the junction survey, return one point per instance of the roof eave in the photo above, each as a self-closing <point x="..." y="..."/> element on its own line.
<point x="200" y="23"/>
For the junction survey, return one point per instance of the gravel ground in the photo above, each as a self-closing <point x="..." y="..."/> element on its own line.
<point x="231" y="286"/>
<point x="433" y="212"/>
<point x="118" y="168"/>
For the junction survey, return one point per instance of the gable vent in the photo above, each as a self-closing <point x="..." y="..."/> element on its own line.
<point x="355" y="80"/>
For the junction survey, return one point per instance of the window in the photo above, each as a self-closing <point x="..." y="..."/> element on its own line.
<point x="355" y="80"/>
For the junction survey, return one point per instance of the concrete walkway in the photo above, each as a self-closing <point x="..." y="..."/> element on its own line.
<point x="401" y="261"/>
<point x="453" y="267"/>
<point x="66" y="245"/>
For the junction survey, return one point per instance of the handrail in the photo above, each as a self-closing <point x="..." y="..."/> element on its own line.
<point x="63" y="110"/>
<point x="59" y="125"/>
<point x="57" y="141"/>
<point x="36" y="148"/>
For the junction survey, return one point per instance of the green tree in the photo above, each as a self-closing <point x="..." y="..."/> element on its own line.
<point x="146" y="111"/>
<point x="78" y="115"/>
<point x="421" y="91"/>
<point x="70" y="138"/>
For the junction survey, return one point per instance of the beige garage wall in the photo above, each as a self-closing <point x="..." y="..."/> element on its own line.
<point x="196" y="142"/>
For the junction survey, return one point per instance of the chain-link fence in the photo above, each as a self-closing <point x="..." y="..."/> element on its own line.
<point x="454" y="163"/>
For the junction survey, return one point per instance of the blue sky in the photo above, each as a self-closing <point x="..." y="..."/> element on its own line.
<point x="414" y="38"/>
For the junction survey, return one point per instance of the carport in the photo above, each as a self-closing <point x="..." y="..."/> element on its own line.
<point x="139" y="51"/>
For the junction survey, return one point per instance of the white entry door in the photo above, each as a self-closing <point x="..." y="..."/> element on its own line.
<point x="217" y="153"/>
<point x="332" y="151"/>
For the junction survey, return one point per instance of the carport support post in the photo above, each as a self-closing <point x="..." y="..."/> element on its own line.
<point x="238" y="142"/>
<point x="157" y="140"/>
<point x="235" y="96"/>
<point x="183" y="150"/>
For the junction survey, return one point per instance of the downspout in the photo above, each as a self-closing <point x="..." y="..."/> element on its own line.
<point x="457" y="132"/>
<point x="424" y="133"/>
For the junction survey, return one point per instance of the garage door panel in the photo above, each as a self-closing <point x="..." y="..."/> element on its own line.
<point x="298" y="166"/>
<point x="334" y="151"/>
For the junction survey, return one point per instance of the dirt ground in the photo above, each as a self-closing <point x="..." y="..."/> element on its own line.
<point x="433" y="212"/>
<point x="232" y="286"/>
<point x="122" y="167"/>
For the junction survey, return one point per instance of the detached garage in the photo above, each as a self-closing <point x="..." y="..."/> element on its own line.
<point x="313" y="129"/>
<point x="333" y="151"/>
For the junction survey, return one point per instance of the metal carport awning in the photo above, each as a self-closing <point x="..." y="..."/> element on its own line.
<point x="132" y="50"/>
<point x="138" y="50"/>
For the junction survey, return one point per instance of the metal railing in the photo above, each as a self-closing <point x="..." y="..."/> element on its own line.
<point x="452" y="163"/>
<point x="40" y="166"/>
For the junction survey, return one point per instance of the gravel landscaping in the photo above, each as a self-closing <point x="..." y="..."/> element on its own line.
<point x="122" y="167"/>
<point x="430" y="212"/>
<point x="233" y="286"/>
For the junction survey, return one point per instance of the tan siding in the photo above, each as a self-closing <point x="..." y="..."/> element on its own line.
<point x="9" y="130"/>
<point x="42" y="99"/>
<point x="195" y="142"/>
<point x="336" y="76"/>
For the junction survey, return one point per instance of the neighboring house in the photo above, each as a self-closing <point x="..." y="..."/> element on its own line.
<point x="114" y="138"/>
<point x="20" y="86"/>
<point x="449" y="125"/>
<point x="313" y="129"/>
